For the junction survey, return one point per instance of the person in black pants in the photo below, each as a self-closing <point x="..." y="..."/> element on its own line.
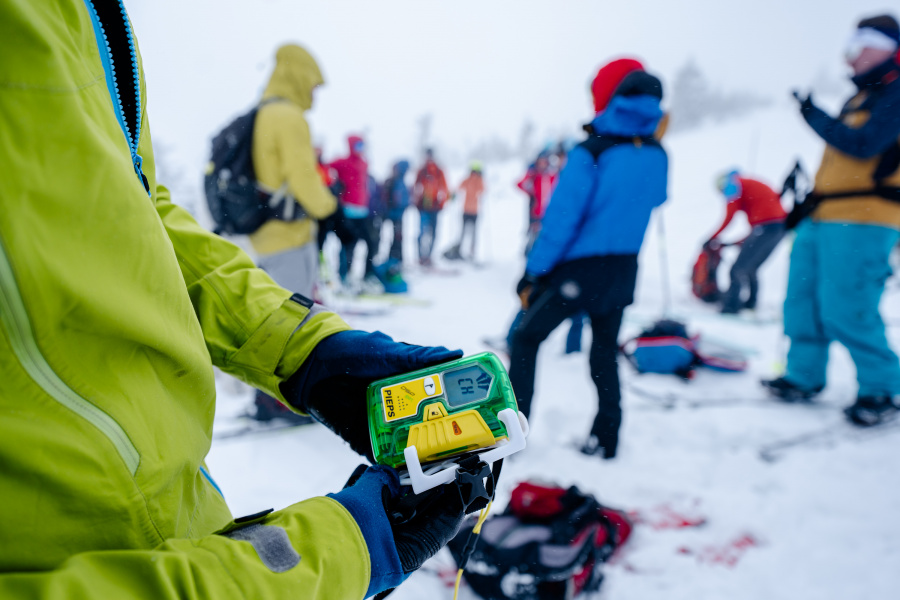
<point x="585" y="257"/>
<point x="601" y="286"/>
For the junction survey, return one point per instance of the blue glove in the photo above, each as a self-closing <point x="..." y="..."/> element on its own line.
<point x="365" y="500"/>
<point x="397" y="548"/>
<point x="331" y="384"/>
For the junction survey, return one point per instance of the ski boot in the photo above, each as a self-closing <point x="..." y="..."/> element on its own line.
<point x="453" y="253"/>
<point x="593" y="447"/>
<point x="371" y="285"/>
<point x="390" y="275"/>
<point x="786" y="391"/>
<point x="872" y="410"/>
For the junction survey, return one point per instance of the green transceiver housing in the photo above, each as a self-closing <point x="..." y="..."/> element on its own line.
<point x="443" y="410"/>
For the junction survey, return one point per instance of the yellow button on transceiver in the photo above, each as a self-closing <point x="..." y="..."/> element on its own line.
<point x="442" y="435"/>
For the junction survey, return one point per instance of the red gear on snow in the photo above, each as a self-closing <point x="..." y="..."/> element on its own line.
<point x="608" y="79"/>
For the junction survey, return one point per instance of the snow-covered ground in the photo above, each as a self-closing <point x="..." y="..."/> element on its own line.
<point x="822" y="523"/>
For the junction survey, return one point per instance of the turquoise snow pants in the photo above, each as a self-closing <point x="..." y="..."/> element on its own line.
<point x="836" y="279"/>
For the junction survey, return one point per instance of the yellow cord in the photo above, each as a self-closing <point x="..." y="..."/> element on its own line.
<point x="482" y="517"/>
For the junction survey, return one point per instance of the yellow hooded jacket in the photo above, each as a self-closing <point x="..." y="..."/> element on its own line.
<point x="114" y="307"/>
<point x="283" y="152"/>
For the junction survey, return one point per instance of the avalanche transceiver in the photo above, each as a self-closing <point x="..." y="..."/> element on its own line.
<point x="432" y="416"/>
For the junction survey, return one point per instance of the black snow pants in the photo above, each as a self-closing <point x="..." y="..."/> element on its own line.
<point x="601" y="286"/>
<point x="754" y="251"/>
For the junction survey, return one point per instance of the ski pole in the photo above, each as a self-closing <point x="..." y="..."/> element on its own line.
<point x="664" y="263"/>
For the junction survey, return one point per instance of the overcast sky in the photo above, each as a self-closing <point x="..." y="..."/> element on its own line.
<point x="480" y="67"/>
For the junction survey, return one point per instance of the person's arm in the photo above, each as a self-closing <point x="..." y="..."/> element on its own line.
<point x="873" y="138"/>
<point x="253" y="328"/>
<point x="313" y="549"/>
<point x="300" y="164"/>
<point x="526" y="184"/>
<point x="443" y="189"/>
<point x="730" y="210"/>
<point x="562" y="220"/>
<point x="418" y="188"/>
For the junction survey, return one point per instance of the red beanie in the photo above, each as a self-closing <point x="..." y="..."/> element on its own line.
<point x="608" y="79"/>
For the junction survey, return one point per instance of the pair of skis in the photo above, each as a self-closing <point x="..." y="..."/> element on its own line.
<point x="828" y="436"/>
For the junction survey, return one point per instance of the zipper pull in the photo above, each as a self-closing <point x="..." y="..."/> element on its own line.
<point x="138" y="163"/>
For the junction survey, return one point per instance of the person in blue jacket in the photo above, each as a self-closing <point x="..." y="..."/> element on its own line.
<point x="397" y="195"/>
<point x="585" y="257"/>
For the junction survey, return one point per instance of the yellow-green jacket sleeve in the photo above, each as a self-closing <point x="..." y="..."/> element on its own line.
<point x="252" y="328"/>
<point x="312" y="550"/>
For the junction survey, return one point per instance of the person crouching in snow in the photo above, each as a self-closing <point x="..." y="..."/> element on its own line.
<point x="585" y="257"/>
<point x="766" y="216"/>
<point x="114" y="307"/>
<point x="840" y="259"/>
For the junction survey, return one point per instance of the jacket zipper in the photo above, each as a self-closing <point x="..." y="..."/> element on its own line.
<point x="132" y="138"/>
<point x="14" y="318"/>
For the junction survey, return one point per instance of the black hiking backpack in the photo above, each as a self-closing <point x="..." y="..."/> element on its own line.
<point x="550" y="543"/>
<point x="236" y="202"/>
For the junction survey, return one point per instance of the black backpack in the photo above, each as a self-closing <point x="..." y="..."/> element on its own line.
<point x="235" y="200"/>
<point x="549" y="544"/>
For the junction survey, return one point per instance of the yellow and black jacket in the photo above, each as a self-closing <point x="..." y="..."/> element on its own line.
<point x="859" y="178"/>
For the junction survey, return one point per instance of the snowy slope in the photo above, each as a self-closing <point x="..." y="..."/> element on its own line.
<point x="821" y="523"/>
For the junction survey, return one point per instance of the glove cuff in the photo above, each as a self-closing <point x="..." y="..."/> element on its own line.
<point x="363" y="501"/>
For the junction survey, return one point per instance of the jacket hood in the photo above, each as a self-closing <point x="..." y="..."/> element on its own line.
<point x="352" y="142"/>
<point x="628" y="116"/>
<point x="296" y="74"/>
<point x="401" y="167"/>
<point x="608" y="78"/>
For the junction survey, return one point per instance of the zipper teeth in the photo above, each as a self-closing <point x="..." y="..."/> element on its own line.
<point x="14" y="318"/>
<point x="120" y="110"/>
<point x="136" y="75"/>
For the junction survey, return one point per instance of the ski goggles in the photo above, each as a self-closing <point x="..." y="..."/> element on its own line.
<point x="867" y="37"/>
<point x="359" y="146"/>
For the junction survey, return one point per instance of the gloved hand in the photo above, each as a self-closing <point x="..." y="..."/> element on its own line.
<point x="337" y="188"/>
<point x="806" y="104"/>
<point x="396" y="549"/>
<point x="525" y="288"/>
<point x="331" y="384"/>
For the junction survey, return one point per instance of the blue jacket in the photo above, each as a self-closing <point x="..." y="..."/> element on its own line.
<point x="396" y="190"/>
<point x="602" y="208"/>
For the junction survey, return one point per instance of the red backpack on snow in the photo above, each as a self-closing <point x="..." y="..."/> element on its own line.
<point x="703" y="279"/>
<point x="550" y="543"/>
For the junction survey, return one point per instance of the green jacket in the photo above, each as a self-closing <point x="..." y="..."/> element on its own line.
<point x="114" y="307"/>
